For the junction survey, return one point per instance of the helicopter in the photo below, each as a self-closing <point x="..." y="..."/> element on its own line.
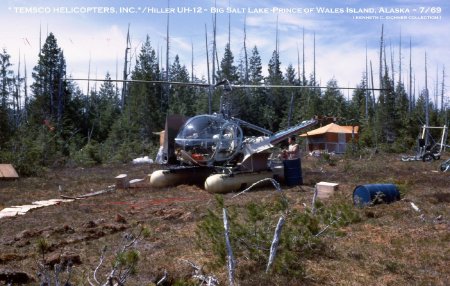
<point x="214" y="149"/>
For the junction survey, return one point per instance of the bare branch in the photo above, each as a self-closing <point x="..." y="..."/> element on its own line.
<point x="90" y="283"/>
<point x="313" y="204"/>
<point x="275" y="241"/>
<point x="210" y="280"/>
<point x="163" y="278"/>
<point x="102" y="258"/>
<point x="323" y="230"/>
<point x="230" y="257"/>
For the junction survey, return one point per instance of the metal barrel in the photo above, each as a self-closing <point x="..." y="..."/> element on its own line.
<point x="293" y="172"/>
<point x="370" y="194"/>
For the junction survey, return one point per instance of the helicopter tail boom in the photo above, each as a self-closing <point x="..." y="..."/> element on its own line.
<point x="263" y="143"/>
<point x="284" y="134"/>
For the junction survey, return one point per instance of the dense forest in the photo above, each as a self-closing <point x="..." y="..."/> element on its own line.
<point x="50" y="122"/>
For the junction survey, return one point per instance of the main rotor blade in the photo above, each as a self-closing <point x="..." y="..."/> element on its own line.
<point x="231" y="85"/>
<point x="145" y="81"/>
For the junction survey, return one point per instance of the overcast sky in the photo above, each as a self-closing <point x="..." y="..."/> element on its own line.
<point x="96" y="30"/>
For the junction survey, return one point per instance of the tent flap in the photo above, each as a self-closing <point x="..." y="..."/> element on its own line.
<point x="331" y="128"/>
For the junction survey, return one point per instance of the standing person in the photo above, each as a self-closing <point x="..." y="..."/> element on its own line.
<point x="160" y="158"/>
<point x="293" y="151"/>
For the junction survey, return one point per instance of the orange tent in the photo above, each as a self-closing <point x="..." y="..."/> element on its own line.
<point x="331" y="138"/>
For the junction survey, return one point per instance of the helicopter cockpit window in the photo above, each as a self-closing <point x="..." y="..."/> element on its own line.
<point x="197" y="137"/>
<point x="201" y="127"/>
<point x="208" y="137"/>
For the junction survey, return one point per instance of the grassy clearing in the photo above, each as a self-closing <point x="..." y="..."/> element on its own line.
<point x="386" y="244"/>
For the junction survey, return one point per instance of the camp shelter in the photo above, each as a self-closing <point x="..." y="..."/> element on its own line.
<point x="7" y="171"/>
<point x="331" y="138"/>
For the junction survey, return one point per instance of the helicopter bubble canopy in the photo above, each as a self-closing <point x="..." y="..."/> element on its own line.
<point x="207" y="139"/>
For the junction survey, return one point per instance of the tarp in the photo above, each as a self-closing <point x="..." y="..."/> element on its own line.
<point x="7" y="171"/>
<point x="331" y="128"/>
<point x="21" y="210"/>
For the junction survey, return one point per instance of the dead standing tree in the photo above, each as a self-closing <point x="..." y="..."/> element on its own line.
<point x="276" y="236"/>
<point x="126" y="70"/>
<point x="125" y="262"/>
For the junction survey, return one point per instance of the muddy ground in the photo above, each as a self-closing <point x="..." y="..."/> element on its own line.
<point x="393" y="244"/>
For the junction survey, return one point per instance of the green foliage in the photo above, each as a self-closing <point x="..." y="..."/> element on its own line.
<point x="367" y="135"/>
<point x="182" y="98"/>
<point x="227" y="68"/>
<point x="251" y="232"/>
<point x="333" y="102"/>
<point x="185" y="283"/>
<point x="146" y="103"/>
<point x="25" y="151"/>
<point x="392" y="266"/>
<point x="404" y="187"/>
<point x="42" y="247"/>
<point x="6" y="85"/>
<point x="65" y="125"/>
<point x="401" y="145"/>
<point x="126" y="151"/>
<point x="328" y="158"/>
<point x="210" y="230"/>
<point x="340" y="214"/>
<point x="52" y="98"/>
<point x="127" y="260"/>
<point x="103" y="110"/>
<point x="89" y="155"/>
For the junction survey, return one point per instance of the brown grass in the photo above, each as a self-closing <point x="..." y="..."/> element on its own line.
<point x="392" y="245"/>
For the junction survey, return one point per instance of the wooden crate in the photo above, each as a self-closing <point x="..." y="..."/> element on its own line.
<point x="122" y="181"/>
<point x="326" y="189"/>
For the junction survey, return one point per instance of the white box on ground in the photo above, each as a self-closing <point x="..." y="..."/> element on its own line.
<point x="122" y="181"/>
<point x="326" y="189"/>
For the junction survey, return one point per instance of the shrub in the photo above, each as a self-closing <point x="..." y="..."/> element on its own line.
<point x="251" y="232"/>
<point x="88" y="156"/>
<point x="25" y="153"/>
<point x="125" y="151"/>
<point x="329" y="159"/>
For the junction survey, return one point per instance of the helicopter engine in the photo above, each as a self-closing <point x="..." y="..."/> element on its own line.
<point x="208" y="139"/>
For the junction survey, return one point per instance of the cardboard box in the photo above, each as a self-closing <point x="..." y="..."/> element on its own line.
<point x="326" y="189"/>
<point x="122" y="181"/>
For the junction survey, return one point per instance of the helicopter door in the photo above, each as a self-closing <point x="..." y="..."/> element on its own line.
<point x="173" y="124"/>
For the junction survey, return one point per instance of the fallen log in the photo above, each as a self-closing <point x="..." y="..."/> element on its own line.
<point x="107" y="190"/>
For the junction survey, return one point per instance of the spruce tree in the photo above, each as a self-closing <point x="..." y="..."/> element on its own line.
<point x="50" y="87"/>
<point x="227" y="68"/>
<point x="387" y="115"/>
<point x="255" y="75"/>
<point x="257" y="111"/>
<point x="333" y="102"/>
<point x="183" y="97"/>
<point x="407" y="130"/>
<point x="104" y="110"/>
<point x="292" y="94"/>
<point x="144" y="113"/>
<point x="146" y="106"/>
<point x="6" y="81"/>
<point x="277" y="101"/>
<point x="52" y="109"/>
